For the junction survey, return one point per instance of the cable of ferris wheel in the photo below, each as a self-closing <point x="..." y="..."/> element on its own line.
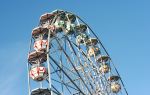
<point x="56" y="91"/>
<point x="61" y="74"/>
<point x="66" y="74"/>
<point x="73" y="66"/>
<point x="105" y="51"/>
<point x="79" y="61"/>
<point x="60" y="78"/>
<point x="66" y="69"/>
<point x="64" y="84"/>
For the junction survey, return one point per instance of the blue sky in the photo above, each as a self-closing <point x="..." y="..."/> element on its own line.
<point x="122" y="25"/>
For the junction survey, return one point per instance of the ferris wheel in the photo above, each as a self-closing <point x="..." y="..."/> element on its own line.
<point x="67" y="58"/>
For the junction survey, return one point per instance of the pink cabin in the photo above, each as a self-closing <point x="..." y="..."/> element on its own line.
<point x="40" y="45"/>
<point x="38" y="73"/>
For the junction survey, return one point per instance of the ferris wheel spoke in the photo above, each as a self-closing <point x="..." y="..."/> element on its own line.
<point x="81" y="66"/>
<point x="62" y="81"/>
<point x="56" y="91"/>
<point x="66" y="75"/>
<point x="75" y="67"/>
